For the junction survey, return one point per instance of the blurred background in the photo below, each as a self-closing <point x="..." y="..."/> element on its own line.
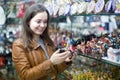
<point x="90" y="26"/>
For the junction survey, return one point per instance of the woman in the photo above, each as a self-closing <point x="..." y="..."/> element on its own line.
<point x="33" y="53"/>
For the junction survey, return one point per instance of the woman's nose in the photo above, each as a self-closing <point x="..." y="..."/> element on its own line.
<point x="42" y="24"/>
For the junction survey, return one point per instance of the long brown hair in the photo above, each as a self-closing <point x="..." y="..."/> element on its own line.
<point x="27" y="33"/>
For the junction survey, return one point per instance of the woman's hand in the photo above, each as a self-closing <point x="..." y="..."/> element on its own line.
<point x="58" y="57"/>
<point x="72" y="56"/>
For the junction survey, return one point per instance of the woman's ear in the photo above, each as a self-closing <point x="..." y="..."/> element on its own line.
<point x="28" y="24"/>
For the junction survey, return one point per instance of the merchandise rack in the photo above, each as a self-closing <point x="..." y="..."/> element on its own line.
<point x="101" y="60"/>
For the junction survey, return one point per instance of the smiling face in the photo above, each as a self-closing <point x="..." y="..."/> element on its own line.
<point x="39" y="23"/>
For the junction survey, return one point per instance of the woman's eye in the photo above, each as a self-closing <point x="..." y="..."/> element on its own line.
<point x="41" y="22"/>
<point x="45" y="21"/>
<point x="38" y="21"/>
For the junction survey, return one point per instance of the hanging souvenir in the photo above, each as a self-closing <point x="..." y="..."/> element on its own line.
<point x="49" y="6"/>
<point x="2" y="16"/>
<point x="74" y="8"/>
<point x="11" y="11"/>
<point x="82" y="7"/>
<point x="11" y="15"/>
<point x="55" y="10"/>
<point x="91" y="7"/>
<point x="99" y="6"/>
<point x="62" y="10"/>
<point x="68" y="7"/>
<point x="21" y="9"/>
<point x="117" y="10"/>
<point x="110" y="6"/>
<point x="62" y="7"/>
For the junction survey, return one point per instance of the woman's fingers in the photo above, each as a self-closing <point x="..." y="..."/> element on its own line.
<point x="66" y="53"/>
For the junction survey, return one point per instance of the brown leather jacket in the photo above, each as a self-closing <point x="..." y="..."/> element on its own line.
<point x="32" y="64"/>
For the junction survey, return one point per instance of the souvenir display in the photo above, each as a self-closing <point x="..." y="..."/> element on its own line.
<point x="98" y="48"/>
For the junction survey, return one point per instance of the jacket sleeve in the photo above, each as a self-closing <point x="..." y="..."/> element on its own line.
<point x="22" y="64"/>
<point x="61" y="67"/>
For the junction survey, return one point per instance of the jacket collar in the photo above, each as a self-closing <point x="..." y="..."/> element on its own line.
<point x="37" y="45"/>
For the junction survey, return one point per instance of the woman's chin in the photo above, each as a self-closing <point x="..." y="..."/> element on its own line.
<point x="39" y="33"/>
